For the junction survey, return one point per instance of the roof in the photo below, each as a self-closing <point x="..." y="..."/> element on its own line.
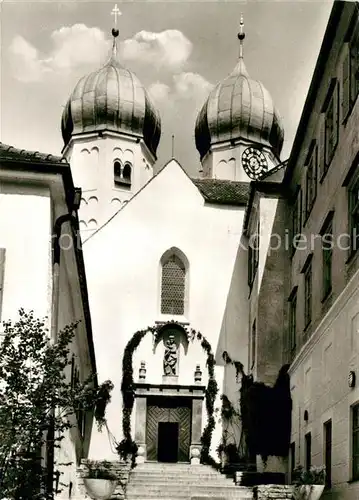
<point x="10" y="153"/>
<point x="223" y="192"/>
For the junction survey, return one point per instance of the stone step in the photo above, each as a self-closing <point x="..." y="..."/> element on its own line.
<point x="153" y="491"/>
<point x="184" y="480"/>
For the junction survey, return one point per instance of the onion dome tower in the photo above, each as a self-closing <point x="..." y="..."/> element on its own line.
<point x="111" y="131"/>
<point x="239" y="134"/>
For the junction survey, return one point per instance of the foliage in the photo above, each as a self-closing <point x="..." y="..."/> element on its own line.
<point x="127" y="447"/>
<point x="315" y="475"/>
<point x="229" y="446"/>
<point x="265" y="413"/>
<point x="99" y="470"/>
<point x="39" y="404"/>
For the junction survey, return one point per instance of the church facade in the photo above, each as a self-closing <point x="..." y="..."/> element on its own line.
<point x="167" y="251"/>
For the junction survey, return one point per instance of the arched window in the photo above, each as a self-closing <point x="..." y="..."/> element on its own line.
<point x="117" y="172"/>
<point x="122" y="174"/>
<point x="173" y="285"/>
<point x="127" y="170"/>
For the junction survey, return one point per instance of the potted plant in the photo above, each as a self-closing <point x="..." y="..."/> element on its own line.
<point x="99" y="481"/>
<point x="308" y="484"/>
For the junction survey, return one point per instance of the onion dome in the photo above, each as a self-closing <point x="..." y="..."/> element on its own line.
<point x="239" y="107"/>
<point x="112" y="98"/>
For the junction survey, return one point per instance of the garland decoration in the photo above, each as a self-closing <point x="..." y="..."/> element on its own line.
<point x="127" y="447"/>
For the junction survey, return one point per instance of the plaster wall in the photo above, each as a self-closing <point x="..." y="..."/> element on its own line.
<point x="170" y="212"/>
<point x="92" y="165"/>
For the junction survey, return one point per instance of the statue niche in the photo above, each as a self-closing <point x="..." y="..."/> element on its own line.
<point x="170" y="358"/>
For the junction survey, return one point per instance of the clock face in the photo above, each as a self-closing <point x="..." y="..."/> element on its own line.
<point x="254" y="163"/>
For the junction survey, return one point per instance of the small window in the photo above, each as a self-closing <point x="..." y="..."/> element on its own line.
<point x="127" y="170"/>
<point x="311" y="180"/>
<point x="327" y="253"/>
<point x="355" y="442"/>
<point x="122" y="174"/>
<point x="327" y="428"/>
<point x="308" y="451"/>
<point x="173" y="285"/>
<point x="308" y="295"/>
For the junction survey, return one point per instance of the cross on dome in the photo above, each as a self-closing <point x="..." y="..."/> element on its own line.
<point x="241" y="36"/>
<point x="116" y="12"/>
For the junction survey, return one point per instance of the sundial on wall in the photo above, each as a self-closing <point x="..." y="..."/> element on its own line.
<point x="254" y="163"/>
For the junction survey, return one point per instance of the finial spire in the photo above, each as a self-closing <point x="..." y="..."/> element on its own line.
<point x="241" y="37"/>
<point x="115" y="32"/>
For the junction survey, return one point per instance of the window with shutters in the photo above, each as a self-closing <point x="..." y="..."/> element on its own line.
<point x="311" y="179"/>
<point x="355" y="442"/>
<point x="308" y="288"/>
<point x="331" y="124"/>
<point x="327" y="253"/>
<point x="293" y="321"/>
<point x="350" y="68"/>
<point x="296" y="222"/>
<point x="173" y="284"/>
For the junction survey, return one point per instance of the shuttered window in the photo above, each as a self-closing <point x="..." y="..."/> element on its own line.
<point x="331" y="125"/>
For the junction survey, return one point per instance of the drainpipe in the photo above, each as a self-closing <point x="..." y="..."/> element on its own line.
<point x="69" y="217"/>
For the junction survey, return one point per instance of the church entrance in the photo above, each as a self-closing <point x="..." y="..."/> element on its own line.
<point x="168" y="429"/>
<point x="168" y="433"/>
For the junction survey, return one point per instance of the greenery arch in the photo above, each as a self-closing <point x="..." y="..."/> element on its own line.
<point x="127" y="447"/>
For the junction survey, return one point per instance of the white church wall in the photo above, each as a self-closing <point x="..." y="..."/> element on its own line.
<point x="124" y="283"/>
<point x="92" y="164"/>
<point x="267" y="208"/>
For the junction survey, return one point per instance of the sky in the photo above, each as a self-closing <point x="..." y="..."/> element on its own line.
<point x="178" y="49"/>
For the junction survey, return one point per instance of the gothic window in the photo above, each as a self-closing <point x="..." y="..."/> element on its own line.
<point x="173" y="285"/>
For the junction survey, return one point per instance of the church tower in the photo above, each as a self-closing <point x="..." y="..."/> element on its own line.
<point x="111" y="132"/>
<point x="239" y="134"/>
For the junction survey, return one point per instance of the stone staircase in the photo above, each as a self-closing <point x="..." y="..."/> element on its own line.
<point x="164" y="481"/>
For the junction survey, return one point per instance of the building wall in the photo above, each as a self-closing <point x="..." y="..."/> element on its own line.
<point x="170" y="212"/>
<point x="28" y="210"/>
<point x="327" y="349"/>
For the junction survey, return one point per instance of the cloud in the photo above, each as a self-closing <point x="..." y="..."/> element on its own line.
<point x="169" y="48"/>
<point x="184" y="87"/>
<point x="160" y="92"/>
<point x="192" y="85"/>
<point x="74" y="47"/>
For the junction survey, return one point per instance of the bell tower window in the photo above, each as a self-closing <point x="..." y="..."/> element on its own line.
<point x="122" y="174"/>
